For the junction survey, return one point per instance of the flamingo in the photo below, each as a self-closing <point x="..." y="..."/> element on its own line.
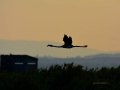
<point x="67" y="43"/>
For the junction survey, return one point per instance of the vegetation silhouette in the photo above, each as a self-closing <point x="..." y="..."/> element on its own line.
<point x="67" y="43"/>
<point x="64" y="77"/>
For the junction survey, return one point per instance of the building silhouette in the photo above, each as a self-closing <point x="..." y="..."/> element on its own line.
<point x="20" y="63"/>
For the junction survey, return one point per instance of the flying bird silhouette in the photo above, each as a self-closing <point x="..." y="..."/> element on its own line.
<point x="67" y="43"/>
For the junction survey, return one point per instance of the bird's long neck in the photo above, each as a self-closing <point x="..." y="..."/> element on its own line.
<point x="55" y="46"/>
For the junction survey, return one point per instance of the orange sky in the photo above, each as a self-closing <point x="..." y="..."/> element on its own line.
<point x="92" y="22"/>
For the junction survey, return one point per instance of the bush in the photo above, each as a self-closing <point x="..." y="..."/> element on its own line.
<point x="65" y="77"/>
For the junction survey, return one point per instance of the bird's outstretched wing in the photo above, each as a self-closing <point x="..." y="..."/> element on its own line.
<point x="65" y="39"/>
<point x="70" y="40"/>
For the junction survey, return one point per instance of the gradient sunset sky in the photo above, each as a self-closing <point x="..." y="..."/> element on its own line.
<point x="95" y="23"/>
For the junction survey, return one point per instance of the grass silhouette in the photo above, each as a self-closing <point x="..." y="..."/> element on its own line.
<point x="64" y="77"/>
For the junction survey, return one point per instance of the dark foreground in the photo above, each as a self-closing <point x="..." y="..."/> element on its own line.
<point x="66" y="77"/>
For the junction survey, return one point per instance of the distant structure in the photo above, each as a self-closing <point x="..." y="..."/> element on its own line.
<point x="10" y="54"/>
<point x="20" y="63"/>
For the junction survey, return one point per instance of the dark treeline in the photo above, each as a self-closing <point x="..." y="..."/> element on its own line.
<point x="62" y="77"/>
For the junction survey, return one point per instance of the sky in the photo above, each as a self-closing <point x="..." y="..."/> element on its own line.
<point x="95" y="23"/>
